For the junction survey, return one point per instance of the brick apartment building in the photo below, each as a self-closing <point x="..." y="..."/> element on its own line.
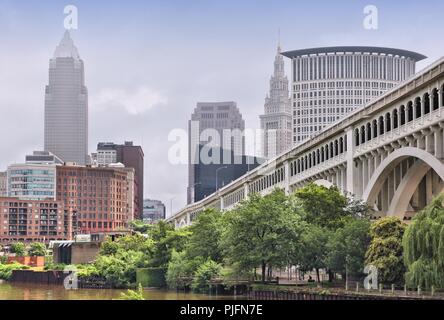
<point x="33" y="221"/>
<point x="97" y="197"/>
<point x="131" y="156"/>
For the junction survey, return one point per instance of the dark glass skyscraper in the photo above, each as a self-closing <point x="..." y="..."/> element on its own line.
<point x="66" y="105"/>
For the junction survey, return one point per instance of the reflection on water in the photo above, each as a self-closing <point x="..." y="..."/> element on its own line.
<point x="26" y="291"/>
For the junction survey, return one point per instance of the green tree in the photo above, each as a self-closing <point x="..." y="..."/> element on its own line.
<point x="205" y="236"/>
<point x="314" y="253"/>
<point x="140" y="226"/>
<point x="325" y="207"/>
<point x="119" y="269"/>
<point x="347" y="247"/>
<point x="37" y="249"/>
<point x="385" y="251"/>
<point x="166" y="239"/>
<point x="109" y="248"/>
<point x="181" y="270"/>
<point x="204" y="274"/>
<point x="262" y="231"/>
<point x="423" y="245"/>
<point x="19" y="248"/>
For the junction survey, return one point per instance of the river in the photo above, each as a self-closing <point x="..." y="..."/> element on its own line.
<point x="16" y="291"/>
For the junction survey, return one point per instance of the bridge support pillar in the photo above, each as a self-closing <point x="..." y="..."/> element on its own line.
<point x="287" y="177"/>
<point x="438" y="140"/>
<point x="350" y="171"/>
<point x="222" y="204"/>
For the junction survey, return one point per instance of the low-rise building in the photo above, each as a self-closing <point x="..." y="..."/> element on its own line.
<point x="35" y="179"/>
<point x="33" y="221"/>
<point x="153" y="211"/>
<point x="82" y="249"/>
<point x="32" y="181"/>
<point x="97" y="197"/>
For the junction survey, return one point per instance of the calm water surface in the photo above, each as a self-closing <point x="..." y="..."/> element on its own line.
<point x="15" y="291"/>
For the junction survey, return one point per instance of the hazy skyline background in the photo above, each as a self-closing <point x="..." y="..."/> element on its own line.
<point x="147" y="63"/>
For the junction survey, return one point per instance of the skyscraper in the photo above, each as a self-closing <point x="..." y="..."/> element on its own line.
<point x="66" y="105"/>
<point x="329" y="83"/>
<point x="276" y="122"/>
<point x="209" y="119"/>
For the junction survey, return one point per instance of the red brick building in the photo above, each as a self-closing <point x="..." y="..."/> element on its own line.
<point x="98" y="198"/>
<point x="33" y="221"/>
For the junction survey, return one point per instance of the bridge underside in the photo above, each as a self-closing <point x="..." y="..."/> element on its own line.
<point x="405" y="190"/>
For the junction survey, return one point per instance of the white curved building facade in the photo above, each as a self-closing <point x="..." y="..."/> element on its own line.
<point x="329" y="83"/>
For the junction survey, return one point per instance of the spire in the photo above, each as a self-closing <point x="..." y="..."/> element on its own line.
<point x="279" y="63"/>
<point x="66" y="48"/>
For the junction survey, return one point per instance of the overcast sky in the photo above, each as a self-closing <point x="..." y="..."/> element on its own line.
<point x="148" y="63"/>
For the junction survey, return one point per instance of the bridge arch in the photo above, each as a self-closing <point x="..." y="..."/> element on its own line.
<point x="406" y="189"/>
<point x="427" y="162"/>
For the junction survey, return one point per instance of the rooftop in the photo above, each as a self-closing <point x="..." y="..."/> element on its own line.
<point x="355" y="49"/>
<point x="66" y="48"/>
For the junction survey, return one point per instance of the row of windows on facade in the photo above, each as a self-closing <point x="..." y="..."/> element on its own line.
<point x="32" y="172"/>
<point x="95" y="189"/>
<point x="335" y="102"/>
<point x="211" y="116"/>
<point x="211" y="108"/>
<point x="99" y="208"/>
<point x="24" y="233"/>
<point x="93" y="216"/>
<point x="99" y="225"/>
<point x="312" y="129"/>
<point x="25" y="186"/>
<point x="334" y="93"/>
<point x="343" y="84"/>
<point x="394" y="119"/>
<point x="324" y="110"/>
<point x="105" y="181"/>
<point x="24" y="205"/>
<point x="351" y="66"/>
<point x="31" y="179"/>
<point x="214" y="124"/>
<point x="44" y="220"/>
<point x="90" y="173"/>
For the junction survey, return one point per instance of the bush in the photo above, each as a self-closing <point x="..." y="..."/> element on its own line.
<point x="86" y="270"/>
<point x="133" y="295"/>
<point x="19" y="249"/>
<point x="54" y="266"/>
<point x="207" y="272"/>
<point x="6" y="270"/>
<point x="37" y="250"/>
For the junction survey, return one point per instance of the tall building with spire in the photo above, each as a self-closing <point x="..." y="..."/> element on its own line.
<point x="66" y="105"/>
<point x="276" y="123"/>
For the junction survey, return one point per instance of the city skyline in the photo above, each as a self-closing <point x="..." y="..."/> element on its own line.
<point x="218" y="72"/>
